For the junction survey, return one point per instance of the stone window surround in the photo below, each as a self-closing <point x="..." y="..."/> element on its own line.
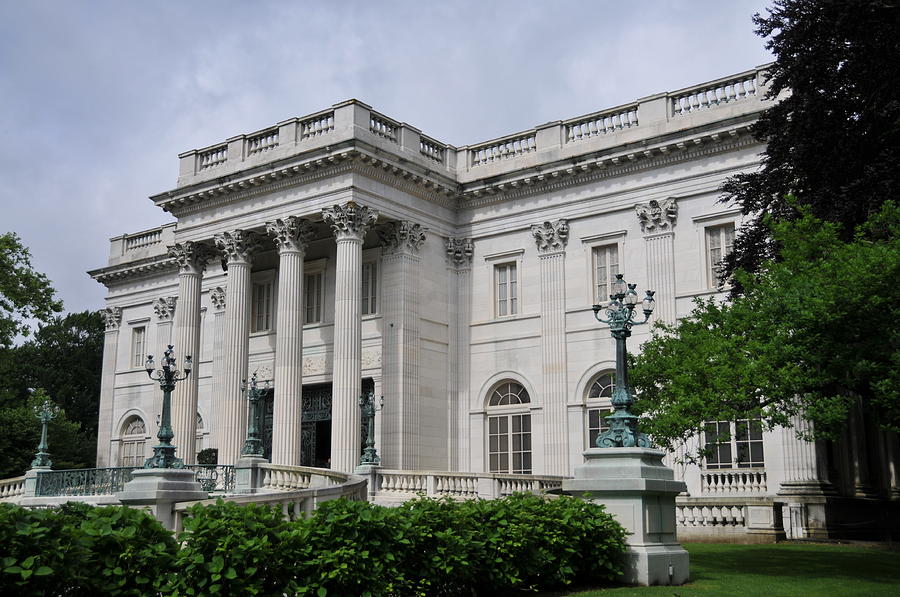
<point x="601" y="403"/>
<point x="507" y="412"/>
<point x="589" y="243"/>
<point x="258" y="278"/>
<point x="701" y="224"/>
<point x="373" y="255"/>
<point x="311" y="267"/>
<point x="133" y="324"/>
<point x="493" y="260"/>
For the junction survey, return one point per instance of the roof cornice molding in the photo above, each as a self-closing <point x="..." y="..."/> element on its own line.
<point x="144" y="268"/>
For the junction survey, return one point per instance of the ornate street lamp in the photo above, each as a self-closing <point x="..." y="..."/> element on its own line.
<point x="367" y="406"/>
<point x="46" y="412"/>
<point x="620" y="312"/>
<point x="253" y="445"/>
<point x="168" y="376"/>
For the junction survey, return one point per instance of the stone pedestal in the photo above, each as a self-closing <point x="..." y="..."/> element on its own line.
<point x="370" y="472"/>
<point x="158" y="489"/>
<point x="639" y="490"/>
<point x="31" y="476"/>
<point x="247" y="474"/>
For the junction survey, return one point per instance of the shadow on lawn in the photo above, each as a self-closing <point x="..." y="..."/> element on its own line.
<point x="798" y="562"/>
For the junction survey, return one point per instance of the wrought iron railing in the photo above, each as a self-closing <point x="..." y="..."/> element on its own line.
<point x="214" y="478"/>
<point x="85" y="481"/>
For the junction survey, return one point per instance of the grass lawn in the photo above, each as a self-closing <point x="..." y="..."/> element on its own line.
<point x="797" y="569"/>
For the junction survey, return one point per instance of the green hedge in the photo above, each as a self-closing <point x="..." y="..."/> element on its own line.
<point x="424" y="547"/>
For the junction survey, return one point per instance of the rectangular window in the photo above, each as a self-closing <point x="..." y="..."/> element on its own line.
<point x="369" y="288"/>
<point x="138" y="346"/>
<point x="719" y="243"/>
<point x="734" y="445"/>
<point x="313" y="288"/>
<point x="606" y="266"/>
<point x="748" y="441"/>
<point x="132" y="452"/>
<point x="596" y="424"/>
<point x="506" y="286"/>
<point x="509" y="444"/>
<point x="262" y="307"/>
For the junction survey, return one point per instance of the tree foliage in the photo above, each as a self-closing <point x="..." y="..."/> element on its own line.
<point x="24" y="293"/>
<point x="813" y="334"/>
<point x="833" y="141"/>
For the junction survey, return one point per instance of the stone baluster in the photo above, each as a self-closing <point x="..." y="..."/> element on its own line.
<point x="291" y="236"/>
<point x="112" y="317"/>
<point x="657" y="220"/>
<point x="459" y="266"/>
<point x="239" y="247"/>
<point x="551" y="239"/>
<point x="401" y="278"/>
<point x="350" y="222"/>
<point x="191" y="258"/>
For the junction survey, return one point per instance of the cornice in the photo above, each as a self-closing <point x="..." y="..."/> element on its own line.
<point x="143" y="268"/>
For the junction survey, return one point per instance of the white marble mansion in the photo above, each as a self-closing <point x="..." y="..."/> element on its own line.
<point x="346" y="251"/>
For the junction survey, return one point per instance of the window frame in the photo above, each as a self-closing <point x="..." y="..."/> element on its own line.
<point x="136" y="457"/>
<point x="371" y="258"/>
<point x="257" y="279"/>
<point x="601" y="405"/>
<point x="734" y="446"/>
<point x="509" y="303"/>
<point x="701" y="224"/>
<point x="712" y="268"/>
<point x="590" y="244"/>
<point x="317" y="267"/>
<point x="506" y="258"/>
<point x="516" y="438"/>
<point x="137" y="359"/>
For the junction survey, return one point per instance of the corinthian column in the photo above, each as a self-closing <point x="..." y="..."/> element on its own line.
<point x="401" y="447"/>
<point x="350" y="223"/>
<point x="657" y="219"/>
<point x="238" y="247"/>
<point x="291" y="236"/>
<point x="112" y="316"/>
<point x="459" y="266"/>
<point x="191" y="258"/>
<point x="551" y="239"/>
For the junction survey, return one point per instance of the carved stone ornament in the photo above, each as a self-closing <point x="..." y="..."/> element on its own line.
<point x="164" y="307"/>
<point x="217" y="298"/>
<point x="112" y="317"/>
<point x="459" y="251"/>
<point x="402" y="236"/>
<point x="551" y="236"/>
<point x="238" y="246"/>
<point x="291" y="233"/>
<point x="657" y="216"/>
<point x="350" y="221"/>
<point x="190" y="256"/>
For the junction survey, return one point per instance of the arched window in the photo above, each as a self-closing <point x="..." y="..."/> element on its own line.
<point x="599" y="405"/>
<point x="133" y="439"/>
<point x="509" y="429"/>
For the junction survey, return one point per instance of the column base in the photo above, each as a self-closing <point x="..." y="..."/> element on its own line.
<point x="158" y="489"/>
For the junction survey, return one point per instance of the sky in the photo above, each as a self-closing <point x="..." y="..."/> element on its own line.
<point x="98" y="97"/>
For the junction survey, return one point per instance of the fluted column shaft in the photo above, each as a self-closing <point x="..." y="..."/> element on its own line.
<point x="291" y="236"/>
<point x="192" y="259"/>
<point x="112" y="316"/>
<point x="349" y="222"/>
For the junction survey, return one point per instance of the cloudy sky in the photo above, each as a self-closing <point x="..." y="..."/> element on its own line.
<point x="98" y="97"/>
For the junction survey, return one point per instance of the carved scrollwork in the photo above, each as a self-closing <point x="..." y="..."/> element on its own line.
<point x="349" y="221"/>
<point x="164" y="307"/>
<point x="112" y="317"/>
<point x="238" y="246"/>
<point x="551" y="236"/>
<point x="402" y="236"/>
<point x="657" y="216"/>
<point x="459" y="251"/>
<point x="217" y="298"/>
<point x="291" y="233"/>
<point x="190" y="256"/>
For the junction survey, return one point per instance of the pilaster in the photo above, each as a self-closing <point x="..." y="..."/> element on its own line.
<point x="239" y="247"/>
<point x="164" y="309"/>
<point x="349" y="222"/>
<point x="217" y="298"/>
<point x="401" y="242"/>
<point x="551" y="239"/>
<point x="459" y="278"/>
<point x="112" y="317"/>
<point x="291" y="236"/>
<point x="657" y="220"/>
<point x="191" y="258"/>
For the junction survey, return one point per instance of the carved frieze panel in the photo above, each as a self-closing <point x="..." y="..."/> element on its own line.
<point x="164" y="307"/>
<point x="459" y="251"/>
<point x="551" y="237"/>
<point x="402" y="236"/>
<point x="112" y="317"/>
<point x="657" y="216"/>
<point x="217" y="298"/>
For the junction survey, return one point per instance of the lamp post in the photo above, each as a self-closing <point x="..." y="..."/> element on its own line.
<point x="620" y="313"/>
<point x="367" y="406"/>
<point x="253" y="445"/>
<point x="46" y="412"/>
<point x="168" y="376"/>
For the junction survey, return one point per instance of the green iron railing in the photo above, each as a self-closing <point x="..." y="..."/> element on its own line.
<point x="108" y="481"/>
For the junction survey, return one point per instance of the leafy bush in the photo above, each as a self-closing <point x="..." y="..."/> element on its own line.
<point x="208" y="456"/>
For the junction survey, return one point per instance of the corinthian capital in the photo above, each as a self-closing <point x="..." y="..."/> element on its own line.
<point x="349" y="221"/>
<point x="459" y="251"/>
<point x="657" y="216"/>
<point x="551" y="236"/>
<point x="164" y="307"/>
<point x="402" y="236"/>
<point x="238" y="246"/>
<point x="217" y="297"/>
<point x="190" y="256"/>
<point x="290" y="234"/>
<point x="112" y="317"/>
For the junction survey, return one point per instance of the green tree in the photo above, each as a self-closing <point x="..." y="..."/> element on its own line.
<point x="24" y="293"/>
<point x="813" y="334"/>
<point x="834" y="140"/>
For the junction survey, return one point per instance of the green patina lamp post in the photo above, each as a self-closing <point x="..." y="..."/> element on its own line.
<point x="253" y="445"/>
<point x="46" y="412"/>
<point x="168" y="376"/>
<point x="367" y="406"/>
<point x="623" y="431"/>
